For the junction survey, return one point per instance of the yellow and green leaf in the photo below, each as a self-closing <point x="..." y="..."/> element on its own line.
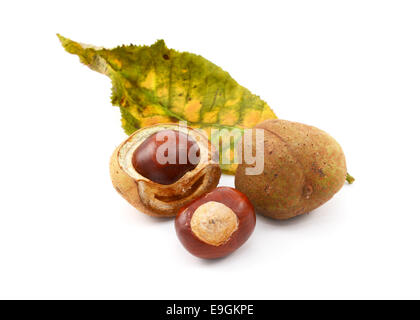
<point x="154" y="84"/>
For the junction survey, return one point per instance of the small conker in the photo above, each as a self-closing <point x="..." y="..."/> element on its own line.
<point x="216" y="224"/>
<point x="183" y="149"/>
<point x="161" y="189"/>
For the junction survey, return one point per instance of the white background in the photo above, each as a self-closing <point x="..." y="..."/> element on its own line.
<point x="351" y="68"/>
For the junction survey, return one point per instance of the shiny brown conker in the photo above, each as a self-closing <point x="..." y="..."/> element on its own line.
<point x="166" y="156"/>
<point x="216" y="224"/>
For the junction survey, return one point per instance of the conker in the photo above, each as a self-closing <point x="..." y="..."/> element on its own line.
<point x="166" y="143"/>
<point x="161" y="189"/>
<point x="216" y="224"/>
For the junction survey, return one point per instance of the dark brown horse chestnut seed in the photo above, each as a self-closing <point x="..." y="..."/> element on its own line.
<point x="216" y="224"/>
<point x="152" y="159"/>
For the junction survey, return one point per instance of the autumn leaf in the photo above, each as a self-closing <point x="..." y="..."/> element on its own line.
<point x="154" y="84"/>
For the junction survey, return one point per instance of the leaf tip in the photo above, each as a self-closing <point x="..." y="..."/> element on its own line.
<point x="65" y="42"/>
<point x="61" y="38"/>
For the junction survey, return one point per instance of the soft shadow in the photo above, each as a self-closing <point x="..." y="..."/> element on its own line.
<point x="152" y="219"/>
<point x="145" y="218"/>
<point x="301" y="219"/>
<point x="212" y="262"/>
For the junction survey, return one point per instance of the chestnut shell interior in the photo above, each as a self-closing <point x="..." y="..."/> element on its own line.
<point x="175" y="197"/>
<point x="158" y="199"/>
